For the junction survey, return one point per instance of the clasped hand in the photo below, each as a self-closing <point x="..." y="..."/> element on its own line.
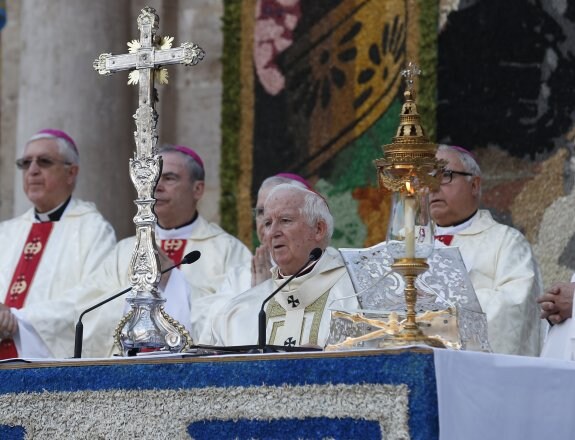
<point x="261" y="265"/>
<point x="8" y="323"/>
<point x="557" y="302"/>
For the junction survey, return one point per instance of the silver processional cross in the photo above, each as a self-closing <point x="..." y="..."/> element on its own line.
<point x="147" y="325"/>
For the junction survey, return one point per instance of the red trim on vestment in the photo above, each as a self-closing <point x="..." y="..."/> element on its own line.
<point x="174" y="249"/>
<point x="24" y="275"/>
<point x="445" y="239"/>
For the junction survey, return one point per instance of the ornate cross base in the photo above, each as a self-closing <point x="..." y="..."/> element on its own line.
<point x="147" y="326"/>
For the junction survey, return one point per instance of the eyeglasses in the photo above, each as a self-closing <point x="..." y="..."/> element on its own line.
<point x="447" y="175"/>
<point x="258" y="212"/>
<point x="42" y="161"/>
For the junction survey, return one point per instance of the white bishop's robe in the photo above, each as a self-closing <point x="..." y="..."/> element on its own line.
<point x="506" y="279"/>
<point x="220" y="252"/>
<point x="237" y="281"/>
<point x="299" y="314"/>
<point x="560" y="341"/>
<point x="78" y="243"/>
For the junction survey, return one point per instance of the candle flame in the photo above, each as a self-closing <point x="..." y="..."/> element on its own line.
<point x="409" y="188"/>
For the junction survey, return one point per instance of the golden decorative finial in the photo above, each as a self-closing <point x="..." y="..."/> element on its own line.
<point x="410" y="158"/>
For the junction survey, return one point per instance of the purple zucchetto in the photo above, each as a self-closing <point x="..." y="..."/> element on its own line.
<point x="58" y="134"/>
<point x="297" y="178"/>
<point x="463" y="150"/>
<point x="189" y="152"/>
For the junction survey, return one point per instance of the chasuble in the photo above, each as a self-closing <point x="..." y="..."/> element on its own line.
<point x="299" y="314"/>
<point x="507" y="282"/>
<point x="72" y="248"/>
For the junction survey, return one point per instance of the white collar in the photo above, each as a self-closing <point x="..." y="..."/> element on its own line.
<point x="45" y="216"/>
<point x="182" y="233"/>
<point x="452" y="230"/>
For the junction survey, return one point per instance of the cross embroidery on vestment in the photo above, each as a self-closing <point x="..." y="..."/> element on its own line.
<point x="293" y="301"/>
<point x="289" y="342"/>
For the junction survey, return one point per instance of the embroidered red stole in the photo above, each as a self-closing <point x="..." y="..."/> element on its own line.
<point x="24" y="275"/>
<point x="174" y="249"/>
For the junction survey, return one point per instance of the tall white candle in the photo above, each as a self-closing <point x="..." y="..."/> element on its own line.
<point x="409" y="226"/>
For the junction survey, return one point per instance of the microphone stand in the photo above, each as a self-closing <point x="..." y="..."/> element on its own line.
<point x="79" y="335"/>
<point x="313" y="256"/>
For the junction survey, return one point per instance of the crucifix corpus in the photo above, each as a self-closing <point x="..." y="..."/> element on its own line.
<point x="147" y="325"/>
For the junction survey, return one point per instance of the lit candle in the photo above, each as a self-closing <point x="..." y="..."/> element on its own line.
<point x="409" y="226"/>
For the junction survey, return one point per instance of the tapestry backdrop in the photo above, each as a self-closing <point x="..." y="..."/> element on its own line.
<point x="315" y="88"/>
<point x="324" y="95"/>
<point x="504" y="91"/>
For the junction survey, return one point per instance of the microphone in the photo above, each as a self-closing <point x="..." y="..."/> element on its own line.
<point x="189" y="258"/>
<point x="313" y="256"/>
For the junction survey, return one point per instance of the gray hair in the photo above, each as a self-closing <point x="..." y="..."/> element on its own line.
<point x="469" y="163"/>
<point x="314" y="208"/>
<point x="65" y="148"/>
<point x="195" y="170"/>
<point x="278" y="180"/>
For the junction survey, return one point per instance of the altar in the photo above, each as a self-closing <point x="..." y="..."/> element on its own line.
<point x="411" y="393"/>
<point x="359" y="395"/>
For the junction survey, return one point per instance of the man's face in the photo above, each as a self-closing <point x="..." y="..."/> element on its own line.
<point x="176" y="195"/>
<point x="49" y="185"/>
<point x="455" y="201"/>
<point x="287" y="233"/>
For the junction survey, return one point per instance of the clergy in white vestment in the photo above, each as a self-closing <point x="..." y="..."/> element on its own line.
<point x="53" y="246"/>
<point x="180" y="230"/>
<point x="557" y="307"/>
<point x="296" y="221"/>
<point x="238" y="281"/>
<point x="500" y="262"/>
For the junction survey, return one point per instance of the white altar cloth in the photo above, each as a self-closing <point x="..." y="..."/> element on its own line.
<point x="492" y="396"/>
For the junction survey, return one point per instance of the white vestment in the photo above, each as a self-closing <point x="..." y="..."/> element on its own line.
<point x="560" y="341"/>
<point x="299" y="314"/>
<point x="220" y="252"/>
<point x="78" y="243"/>
<point x="506" y="279"/>
<point x="237" y="281"/>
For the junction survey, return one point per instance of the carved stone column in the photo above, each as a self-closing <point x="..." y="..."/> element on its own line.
<point x="191" y="104"/>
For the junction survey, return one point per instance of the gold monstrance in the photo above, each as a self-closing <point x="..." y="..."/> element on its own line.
<point x="147" y="325"/>
<point x="409" y="169"/>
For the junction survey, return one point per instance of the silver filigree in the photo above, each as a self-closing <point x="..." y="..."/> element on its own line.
<point x="147" y="325"/>
<point x="145" y="174"/>
<point x="445" y="287"/>
<point x="410" y="73"/>
<point x="100" y="64"/>
<point x="192" y="54"/>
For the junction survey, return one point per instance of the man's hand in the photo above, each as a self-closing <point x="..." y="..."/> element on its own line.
<point x="557" y="302"/>
<point x="8" y="323"/>
<point x="261" y="265"/>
